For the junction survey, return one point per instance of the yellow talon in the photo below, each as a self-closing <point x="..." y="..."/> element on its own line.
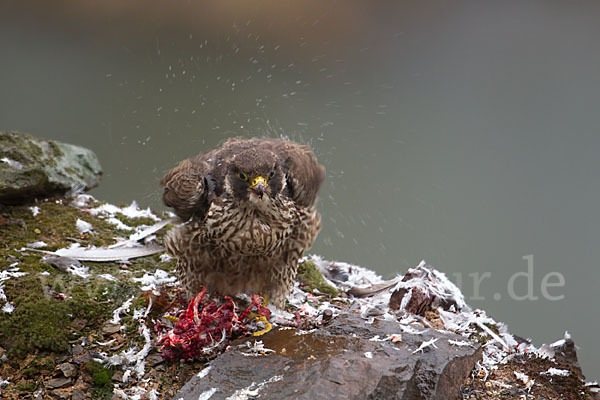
<point x="267" y="329"/>
<point x="171" y="318"/>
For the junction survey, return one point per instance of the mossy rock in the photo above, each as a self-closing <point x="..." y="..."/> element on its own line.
<point x="37" y="168"/>
<point x="311" y="279"/>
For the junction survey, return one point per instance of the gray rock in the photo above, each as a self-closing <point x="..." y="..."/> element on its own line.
<point x="154" y="359"/>
<point x="68" y="370"/>
<point x="77" y="349"/>
<point x="340" y="361"/>
<point x="31" y="167"/>
<point x="82" y="358"/>
<point x="58" y="383"/>
<point x="78" y="394"/>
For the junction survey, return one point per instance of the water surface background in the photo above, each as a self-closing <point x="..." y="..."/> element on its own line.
<point x="462" y="133"/>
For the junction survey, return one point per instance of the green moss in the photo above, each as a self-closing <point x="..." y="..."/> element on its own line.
<point x="170" y="265"/>
<point x="45" y="363"/>
<point x="101" y="379"/>
<point x="55" y="225"/>
<point x="135" y="221"/>
<point x="41" y="322"/>
<point x="38" y="366"/>
<point x="30" y="372"/>
<point x="139" y="302"/>
<point x="312" y="279"/>
<point x="84" y="303"/>
<point x="26" y="386"/>
<point x="94" y="301"/>
<point x="38" y="321"/>
<point x="131" y="325"/>
<point x="101" y="376"/>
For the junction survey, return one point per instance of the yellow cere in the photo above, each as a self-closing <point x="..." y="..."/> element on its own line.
<point x="257" y="180"/>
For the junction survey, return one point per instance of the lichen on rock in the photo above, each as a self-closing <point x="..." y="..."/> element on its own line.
<point x="36" y="168"/>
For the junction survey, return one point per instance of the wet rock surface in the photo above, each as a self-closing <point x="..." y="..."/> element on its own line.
<point x="37" y="168"/>
<point x="346" y="359"/>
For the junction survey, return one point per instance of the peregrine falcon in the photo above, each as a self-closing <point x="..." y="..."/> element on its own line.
<point x="248" y="214"/>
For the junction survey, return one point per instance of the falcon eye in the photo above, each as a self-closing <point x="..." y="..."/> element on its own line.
<point x="272" y="173"/>
<point x="243" y="176"/>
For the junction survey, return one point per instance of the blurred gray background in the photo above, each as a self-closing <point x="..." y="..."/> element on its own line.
<point x="462" y="133"/>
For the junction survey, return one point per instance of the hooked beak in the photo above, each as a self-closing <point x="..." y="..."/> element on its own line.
<point x="259" y="185"/>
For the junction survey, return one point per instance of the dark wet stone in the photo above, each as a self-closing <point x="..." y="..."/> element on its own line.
<point x="32" y="168"/>
<point x="340" y="361"/>
<point x="58" y="383"/>
<point x="154" y="359"/>
<point x="82" y="358"/>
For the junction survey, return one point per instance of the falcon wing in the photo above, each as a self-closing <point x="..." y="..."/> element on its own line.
<point x="303" y="173"/>
<point x="186" y="188"/>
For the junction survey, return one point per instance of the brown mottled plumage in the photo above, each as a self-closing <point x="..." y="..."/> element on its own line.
<point x="248" y="213"/>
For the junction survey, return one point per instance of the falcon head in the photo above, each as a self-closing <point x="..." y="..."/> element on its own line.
<point x="254" y="175"/>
